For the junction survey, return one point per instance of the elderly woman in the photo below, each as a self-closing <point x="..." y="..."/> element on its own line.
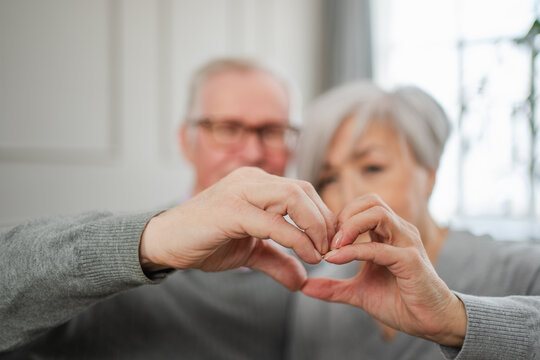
<point x="373" y="156"/>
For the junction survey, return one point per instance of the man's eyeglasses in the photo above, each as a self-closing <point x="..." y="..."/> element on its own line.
<point x="234" y="133"/>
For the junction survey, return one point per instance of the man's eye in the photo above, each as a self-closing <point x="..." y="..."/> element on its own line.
<point x="272" y="132"/>
<point x="228" y="129"/>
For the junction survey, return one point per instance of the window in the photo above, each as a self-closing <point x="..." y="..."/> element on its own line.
<point x="470" y="56"/>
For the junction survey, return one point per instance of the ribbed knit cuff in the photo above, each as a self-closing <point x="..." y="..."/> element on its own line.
<point x="497" y="328"/>
<point x="109" y="252"/>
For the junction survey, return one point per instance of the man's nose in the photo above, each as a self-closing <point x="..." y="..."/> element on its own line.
<point x="253" y="149"/>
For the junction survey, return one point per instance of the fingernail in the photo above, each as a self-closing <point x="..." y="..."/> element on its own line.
<point x="337" y="239"/>
<point x="329" y="254"/>
<point x="317" y="254"/>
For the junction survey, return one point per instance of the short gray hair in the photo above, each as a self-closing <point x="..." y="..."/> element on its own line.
<point x="221" y="65"/>
<point x="410" y="110"/>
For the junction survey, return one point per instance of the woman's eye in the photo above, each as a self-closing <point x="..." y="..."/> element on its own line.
<point x="372" y="169"/>
<point x="325" y="182"/>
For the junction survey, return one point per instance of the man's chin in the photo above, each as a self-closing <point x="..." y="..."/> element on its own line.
<point x="265" y="168"/>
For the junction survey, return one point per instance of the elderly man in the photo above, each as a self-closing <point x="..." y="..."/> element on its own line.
<point x="237" y="115"/>
<point x="85" y="295"/>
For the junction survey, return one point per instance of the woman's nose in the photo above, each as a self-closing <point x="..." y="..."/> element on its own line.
<point x="352" y="185"/>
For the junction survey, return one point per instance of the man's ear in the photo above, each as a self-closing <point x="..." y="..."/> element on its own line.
<point x="186" y="142"/>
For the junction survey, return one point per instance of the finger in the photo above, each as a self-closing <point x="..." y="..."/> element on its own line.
<point x="263" y="225"/>
<point x="286" y="197"/>
<point x="282" y="267"/>
<point x="332" y="290"/>
<point x="376" y="219"/>
<point x="305" y="213"/>
<point x="378" y="253"/>
<point x="356" y="206"/>
<point x="328" y="216"/>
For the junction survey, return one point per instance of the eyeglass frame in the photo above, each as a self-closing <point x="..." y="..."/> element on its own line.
<point x="210" y="123"/>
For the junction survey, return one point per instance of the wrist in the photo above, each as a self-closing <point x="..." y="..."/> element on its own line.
<point x="456" y="328"/>
<point x="148" y="245"/>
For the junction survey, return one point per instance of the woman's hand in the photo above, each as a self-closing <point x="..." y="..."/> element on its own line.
<point x="397" y="284"/>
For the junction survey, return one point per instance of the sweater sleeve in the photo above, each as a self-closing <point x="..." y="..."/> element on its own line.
<point x="52" y="269"/>
<point x="499" y="328"/>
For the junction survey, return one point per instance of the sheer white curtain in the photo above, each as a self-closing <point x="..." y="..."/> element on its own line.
<point x="347" y="41"/>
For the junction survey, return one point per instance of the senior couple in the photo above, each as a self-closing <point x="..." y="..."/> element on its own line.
<point x="100" y="285"/>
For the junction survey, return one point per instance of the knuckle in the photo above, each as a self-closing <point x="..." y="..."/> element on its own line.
<point x="276" y="220"/>
<point x="306" y="186"/>
<point x="414" y="230"/>
<point x="417" y="256"/>
<point x="372" y="198"/>
<point x="411" y="230"/>
<point x="236" y="204"/>
<point x="237" y="173"/>
<point x="380" y="212"/>
<point x="247" y="171"/>
<point x="363" y="202"/>
<point x="411" y="254"/>
<point x="293" y="190"/>
<point x="348" y="211"/>
<point x="256" y="171"/>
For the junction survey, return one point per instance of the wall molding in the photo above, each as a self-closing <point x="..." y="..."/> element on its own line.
<point x="90" y="155"/>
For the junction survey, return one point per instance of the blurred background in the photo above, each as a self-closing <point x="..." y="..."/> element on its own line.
<point x="91" y="93"/>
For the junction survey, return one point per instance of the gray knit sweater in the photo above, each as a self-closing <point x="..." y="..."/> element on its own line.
<point x="499" y="326"/>
<point x="72" y="287"/>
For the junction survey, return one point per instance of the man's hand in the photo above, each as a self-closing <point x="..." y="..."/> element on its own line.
<point x="397" y="284"/>
<point x="222" y="228"/>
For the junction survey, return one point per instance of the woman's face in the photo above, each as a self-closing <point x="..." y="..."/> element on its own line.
<point x="379" y="161"/>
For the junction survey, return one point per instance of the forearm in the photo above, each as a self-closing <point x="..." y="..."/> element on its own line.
<point x="499" y="328"/>
<point x="52" y="269"/>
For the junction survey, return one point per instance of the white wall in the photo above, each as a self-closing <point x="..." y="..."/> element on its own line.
<point x="91" y="92"/>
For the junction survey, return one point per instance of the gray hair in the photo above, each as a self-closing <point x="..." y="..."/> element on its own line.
<point x="410" y="110"/>
<point x="221" y="65"/>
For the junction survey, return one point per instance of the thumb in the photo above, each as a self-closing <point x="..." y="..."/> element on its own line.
<point x="326" y="289"/>
<point x="282" y="267"/>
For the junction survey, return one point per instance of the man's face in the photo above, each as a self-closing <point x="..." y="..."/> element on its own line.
<point x="250" y="98"/>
